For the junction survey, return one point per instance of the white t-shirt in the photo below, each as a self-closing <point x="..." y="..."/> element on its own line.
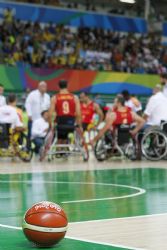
<point x="156" y="109"/>
<point x="2" y="100"/>
<point x="133" y="107"/>
<point x="39" y="128"/>
<point x="36" y="103"/>
<point x="8" y="114"/>
<point x="165" y="89"/>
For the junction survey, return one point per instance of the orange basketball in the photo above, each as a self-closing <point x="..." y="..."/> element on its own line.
<point x="45" y="224"/>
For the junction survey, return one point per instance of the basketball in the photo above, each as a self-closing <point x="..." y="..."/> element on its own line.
<point x="45" y="224"/>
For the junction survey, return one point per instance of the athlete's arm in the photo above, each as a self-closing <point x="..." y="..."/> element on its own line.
<point x="99" y="112"/>
<point x="139" y="123"/>
<point x="110" y="118"/>
<point x="78" y="111"/>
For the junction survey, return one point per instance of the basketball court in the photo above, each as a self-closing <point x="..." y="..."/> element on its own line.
<point x="110" y="205"/>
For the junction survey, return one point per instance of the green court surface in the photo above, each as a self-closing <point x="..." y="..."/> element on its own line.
<point x="11" y="239"/>
<point x="84" y="195"/>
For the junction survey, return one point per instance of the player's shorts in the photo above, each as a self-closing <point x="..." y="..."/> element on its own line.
<point x="65" y="125"/>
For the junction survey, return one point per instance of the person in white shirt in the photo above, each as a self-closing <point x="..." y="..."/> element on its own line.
<point x="37" y="101"/>
<point x="132" y="102"/>
<point x="2" y="98"/>
<point x="8" y="114"/>
<point x="40" y="128"/>
<point x="163" y="80"/>
<point x="156" y="110"/>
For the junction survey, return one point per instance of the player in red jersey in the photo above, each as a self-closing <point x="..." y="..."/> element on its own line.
<point x="120" y="115"/>
<point x="66" y="108"/>
<point x="88" y="109"/>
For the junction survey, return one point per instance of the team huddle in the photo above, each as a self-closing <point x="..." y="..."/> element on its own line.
<point x="65" y="110"/>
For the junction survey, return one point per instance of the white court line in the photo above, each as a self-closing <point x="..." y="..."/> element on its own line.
<point x="105" y="199"/>
<point x="140" y="190"/>
<point x="92" y="221"/>
<point x="81" y="239"/>
<point x="104" y="243"/>
<point x="119" y="218"/>
<point x="11" y="227"/>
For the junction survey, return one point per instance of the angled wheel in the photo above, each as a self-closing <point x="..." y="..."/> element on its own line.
<point x="154" y="145"/>
<point x="47" y="144"/>
<point x="100" y="150"/>
<point x="131" y="151"/>
<point x="85" y="152"/>
<point x="23" y="151"/>
<point x="81" y="144"/>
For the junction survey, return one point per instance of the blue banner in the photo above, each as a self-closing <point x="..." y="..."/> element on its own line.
<point x="165" y="29"/>
<point x="76" y="18"/>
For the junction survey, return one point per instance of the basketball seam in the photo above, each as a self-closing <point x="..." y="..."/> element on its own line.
<point x="44" y="229"/>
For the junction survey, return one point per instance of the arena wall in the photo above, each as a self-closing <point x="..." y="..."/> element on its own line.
<point x="42" y="14"/>
<point x="20" y="78"/>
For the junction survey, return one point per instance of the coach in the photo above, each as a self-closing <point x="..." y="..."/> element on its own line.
<point x="37" y="101"/>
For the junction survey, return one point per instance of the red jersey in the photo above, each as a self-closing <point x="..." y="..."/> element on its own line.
<point x="65" y="105"/>
<point x="114" y="109"/>
<point x="123" y="117"/>
<point x="87" y="112"/>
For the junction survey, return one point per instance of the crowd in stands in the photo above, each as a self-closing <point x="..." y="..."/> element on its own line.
<point x="59" y="46"/>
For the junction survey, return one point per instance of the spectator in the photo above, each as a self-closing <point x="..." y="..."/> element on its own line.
<point x="2" y="98"/>
<point x="80" y="48"/>
<point x="40" y="128"/>
<point x="8" y="15"/>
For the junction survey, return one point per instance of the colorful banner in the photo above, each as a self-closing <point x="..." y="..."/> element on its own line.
<point x="18" y="79"/>
<point x="75" y="18"/>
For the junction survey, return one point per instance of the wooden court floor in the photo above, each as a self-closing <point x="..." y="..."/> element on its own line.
<point x="110" y="205"/>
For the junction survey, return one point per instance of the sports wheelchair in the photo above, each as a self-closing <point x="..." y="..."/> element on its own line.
<point x="154" y="142"/>
<point x="75" y="145"/>
<point x="117" y="143"/>
<point x="14" y="144"/>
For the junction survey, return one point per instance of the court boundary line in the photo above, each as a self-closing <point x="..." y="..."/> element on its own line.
<point x="100" y="220"/>
<point x="103" y="243"/>
<point x="10" y="227"/>
<point x="119" y="218"/>
<point x="141" y="191"/>
<point x="80" y="239"/>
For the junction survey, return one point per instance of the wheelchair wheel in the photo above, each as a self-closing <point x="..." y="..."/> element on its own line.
<point x="131" y="151"/>
<point x="24" y="153"/>
<point x="85" y="152"/>
<point x="47" y="144"/>
<point x="100" y="150"/>
<point x="81" y="144"/>
<point x="154" y="145"/>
